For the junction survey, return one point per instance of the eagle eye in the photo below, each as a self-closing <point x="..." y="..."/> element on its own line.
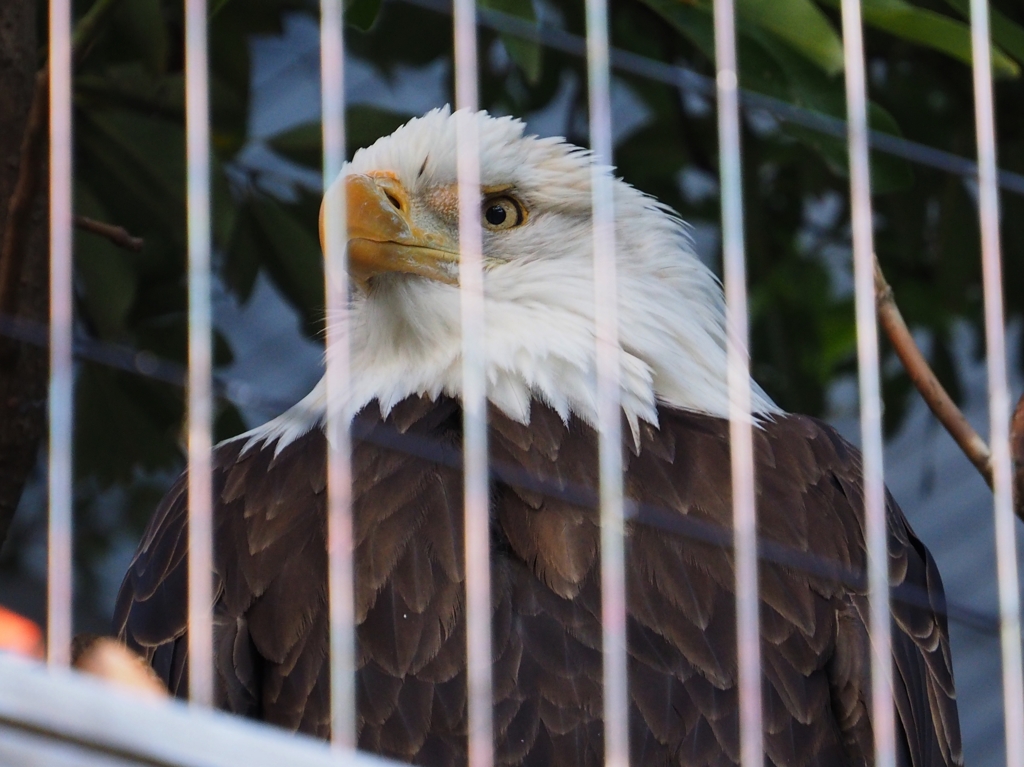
<point x="502" y="212"/>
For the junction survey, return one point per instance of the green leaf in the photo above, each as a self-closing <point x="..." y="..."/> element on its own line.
<point x="136" y="165"/>
<point x="931" y="29"/>
<point x="123" y="423"/>
<point x="363" y="125"/>
<point x="216" y="6"/>
<point x="285" y="242"/>
<point x="525" y="53"/>
<point x="142" y="28"/>
<point x="808" y="87"/>
<point x="691" y="21"/>
<point x="1006" y="33"/>
<point x="362" y="13"/>
<point x="302" y="144"/>
<point x="771" y="65"/>
<point x="758" y="70"/>
<point x="801" y="24"/>
<point x="105" y="274"/>
<point x="228" y="422"/>
<point x="131" y="86"/>
<point x="244" y="255"/>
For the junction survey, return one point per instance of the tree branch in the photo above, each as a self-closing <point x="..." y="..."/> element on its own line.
<point x="88" y="28"/>
<point x="116" y="234"/>
<point x="23" y="370"/>
<point x="33" y="145"/>
<point x="941" y="404"/>
<point x="924" y="379"/>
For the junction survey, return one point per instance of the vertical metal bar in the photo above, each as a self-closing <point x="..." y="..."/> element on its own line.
<point x="882" y="713"/>
<point x="741" y="448"/>
<point x="200" y="419"/>
<point x="341" y="588"/>
<point x="609" y="420"/>
<point x="474" y="392"/>
<point x="60" y="567"/>
<point x="998" y="392"/>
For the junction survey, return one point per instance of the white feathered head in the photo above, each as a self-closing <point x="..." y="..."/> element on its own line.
<point x="403" y="247"/>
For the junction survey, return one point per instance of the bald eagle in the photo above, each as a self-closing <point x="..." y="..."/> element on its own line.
<point x="269" y="484"/>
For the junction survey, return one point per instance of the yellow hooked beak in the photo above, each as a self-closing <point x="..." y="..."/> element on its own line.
<point x="381" y="236"/>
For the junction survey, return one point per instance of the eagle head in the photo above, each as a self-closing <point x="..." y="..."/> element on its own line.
<point x="402" y="202"/>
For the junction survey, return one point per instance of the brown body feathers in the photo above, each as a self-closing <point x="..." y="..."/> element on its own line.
<point x="271" y="616"/>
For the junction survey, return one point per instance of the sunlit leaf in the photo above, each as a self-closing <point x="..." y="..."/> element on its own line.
<point x="801" y="24"/>
<point x="772" y="66"/>
<point x="928" y="28"/>
<point x="1006" y="33"/>
<point x="808" y="87"/>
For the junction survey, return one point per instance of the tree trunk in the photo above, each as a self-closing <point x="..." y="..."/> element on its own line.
<point x="23" y="367"/>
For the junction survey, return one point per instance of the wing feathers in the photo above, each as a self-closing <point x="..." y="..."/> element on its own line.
<point x="272" y="622"/>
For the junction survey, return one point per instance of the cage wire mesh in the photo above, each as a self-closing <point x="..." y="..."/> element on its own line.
<point x="203" y="386"/>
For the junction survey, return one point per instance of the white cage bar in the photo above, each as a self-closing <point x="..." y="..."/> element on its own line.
<point x="476" y="484"/>
<point x="741" y="447"/>
<point x="998" y="390"/>
<point x="60" y="571"/>
<point x="869" y="380"/>
<point x="341" y="586"/>
<point x="609" y="407"/>
<point x="200" y="360"/>
<point x="111" y="725"/>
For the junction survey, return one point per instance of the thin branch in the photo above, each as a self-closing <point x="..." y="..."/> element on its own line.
<point x="33" y="147"/>
<point x="1017" y="456"/>
<point x="88" y="28"/>
<point x="924" y="379"/>
<point x="116" y="234"/>
<point x="19" y="207"/>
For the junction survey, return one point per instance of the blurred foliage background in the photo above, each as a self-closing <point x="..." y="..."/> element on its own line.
<point x="130" y="171"/>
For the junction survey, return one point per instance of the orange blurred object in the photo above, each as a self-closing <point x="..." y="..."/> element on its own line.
<point x="111" y="660"/>
<point x="20" y="635"/>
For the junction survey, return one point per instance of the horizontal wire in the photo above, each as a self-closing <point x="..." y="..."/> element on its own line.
<point x="147" y="365"/>
<point x="695" y="82"/>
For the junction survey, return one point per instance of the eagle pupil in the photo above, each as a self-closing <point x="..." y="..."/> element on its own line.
<point x="496" y="215"/>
